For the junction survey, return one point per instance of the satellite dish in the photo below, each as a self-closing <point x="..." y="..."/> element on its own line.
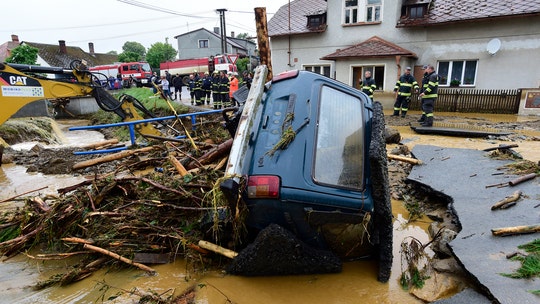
<point x="493" y="46"/>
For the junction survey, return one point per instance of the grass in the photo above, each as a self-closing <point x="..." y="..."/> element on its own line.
<point x="530" y="263"/>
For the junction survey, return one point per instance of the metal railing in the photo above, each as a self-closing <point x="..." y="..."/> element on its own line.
<point x="131" y="127"/>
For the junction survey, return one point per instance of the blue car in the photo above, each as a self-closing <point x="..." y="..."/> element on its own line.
<point x="309" y="155"/>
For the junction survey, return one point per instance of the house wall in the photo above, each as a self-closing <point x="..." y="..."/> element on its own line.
<point x="516" y="65"/>
<point x="188" y="45"/>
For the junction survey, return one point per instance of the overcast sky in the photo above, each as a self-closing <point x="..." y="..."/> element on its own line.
<point x="110" y="23"/>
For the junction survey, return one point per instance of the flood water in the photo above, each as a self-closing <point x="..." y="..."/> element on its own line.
<point x="355" y="284"/>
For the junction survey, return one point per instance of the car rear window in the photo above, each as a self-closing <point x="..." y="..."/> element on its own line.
<point x="339" y="150"/>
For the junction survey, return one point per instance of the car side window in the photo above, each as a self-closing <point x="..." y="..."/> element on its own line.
<point x="339" y="149"/>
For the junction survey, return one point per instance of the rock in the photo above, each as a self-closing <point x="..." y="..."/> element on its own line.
<point x="440" y="242"/>
<point x="392" y="136"/>
<point x="277" y="251"/>
<point x="438" y="286"/>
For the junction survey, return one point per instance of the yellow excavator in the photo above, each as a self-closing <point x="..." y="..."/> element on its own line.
<point x="22" y="84"/>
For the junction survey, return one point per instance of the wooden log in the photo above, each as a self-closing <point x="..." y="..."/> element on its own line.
<point x="409" y="160"/>
<point x="212" y="155"/>
<point x="501" y="147"/>
<point x="262" y="40"/>
<point x="108" y="158"/>
<point x="522" y="179"/>
<point x="101" y="144"/>
<point x="515" y="230"/>
<point x="119" y="257"/>
<point x="178" y="165"/>
<point x="507" y="200"/>
<point x="218" y="249"/>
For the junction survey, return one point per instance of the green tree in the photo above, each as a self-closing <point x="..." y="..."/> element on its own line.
<point x="160" y="52"/>
<point x="134" y="47"/>
<point x="23" y="54"/>
<point x="129" y="57"/>
<point x="245" y="36"/>
<point x="242" y="65"/>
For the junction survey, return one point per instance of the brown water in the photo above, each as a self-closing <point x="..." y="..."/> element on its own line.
<point x="355" y="284"/>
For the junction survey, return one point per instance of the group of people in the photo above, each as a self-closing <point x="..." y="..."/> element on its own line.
<point x="217" y="88"/>
<point x="169" y="84"/>
<point x="404" y="88"/>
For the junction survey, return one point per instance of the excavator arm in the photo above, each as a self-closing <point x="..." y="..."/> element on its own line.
<point x="22" y="84"/>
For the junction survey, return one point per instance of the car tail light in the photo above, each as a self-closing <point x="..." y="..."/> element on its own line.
<point x="285" y="75"/>
<point x="263" y="186"/>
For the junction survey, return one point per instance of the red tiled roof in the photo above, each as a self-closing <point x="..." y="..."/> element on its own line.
<point x="452" y="11"/>
<point x="283" y="23"/>
<point x="373" y="47"/>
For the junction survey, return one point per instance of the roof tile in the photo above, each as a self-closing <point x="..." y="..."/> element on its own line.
<point x="283" y="23"/>
<point x="373" y="47"/>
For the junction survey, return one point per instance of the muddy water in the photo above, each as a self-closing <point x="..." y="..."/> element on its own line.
<point x="356" y="284"/>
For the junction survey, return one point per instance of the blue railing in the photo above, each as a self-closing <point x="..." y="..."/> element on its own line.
<point x="131" y="126"/>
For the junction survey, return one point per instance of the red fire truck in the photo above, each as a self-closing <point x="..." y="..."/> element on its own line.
<point x="184" y="67"/>
<point x="124" y="74"/>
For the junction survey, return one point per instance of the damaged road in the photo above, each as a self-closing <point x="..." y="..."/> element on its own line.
<point x="468" y="185"/>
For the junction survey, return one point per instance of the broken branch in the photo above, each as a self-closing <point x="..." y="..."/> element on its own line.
<point x="409" y="160"/>
<point x="515" y="230"/>
<point x="118" y="257"/>
<point x="503" y="204"/>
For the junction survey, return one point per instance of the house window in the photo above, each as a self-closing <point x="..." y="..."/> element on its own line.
<point x="316" y="21"/>
<point x="357" y="11"/>
<point x="462" y="72"/>
<point x="203" y="43"/>
<point x="416" y="12"/>
<point x="351" y="11"/>
<point x="373" y="10"/>
<point x="319" y="69"/>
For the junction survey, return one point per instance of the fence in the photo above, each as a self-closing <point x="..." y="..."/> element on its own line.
<point x="472" y="100"/>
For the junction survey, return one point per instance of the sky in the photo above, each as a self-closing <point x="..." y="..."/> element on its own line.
<point x="108" y="24"/>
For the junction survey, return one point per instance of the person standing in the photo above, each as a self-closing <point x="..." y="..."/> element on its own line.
<point x="233" y="87"/>
<point x="191" y="88"/>
<point x="429" y="95"/>
<point x="367" y="85"/>
<point x="177" y="84"/>
<point x="403" y="89"/>
<point x="422" y="88"/>
<point x="224" y="89"/>
<point x="165" y="86"/>
<point x="215" y="90"/>
<point x="206" y="88"/>
<point x="197" y="88"/>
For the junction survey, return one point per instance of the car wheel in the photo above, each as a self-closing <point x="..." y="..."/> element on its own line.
<point x="381" y="194"/>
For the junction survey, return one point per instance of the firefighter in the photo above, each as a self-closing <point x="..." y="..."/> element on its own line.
<point x="403" y="89"/>
<point x="224" y="89"/>
<point x="429" y="95"/>
<point x="368" y="85"/>
<point x="197" y="88"/>
<point x="422" y="88"/>
<point x="206" y="88"/>
<point x="191" y="88"/>
<point x="177" y="84"/>
<point x="215" y="90"/>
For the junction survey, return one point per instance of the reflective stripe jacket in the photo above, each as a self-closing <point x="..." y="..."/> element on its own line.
<point x="368" y="86"/>
<point x="432" y="86"/>
<point x="404" y="85"/>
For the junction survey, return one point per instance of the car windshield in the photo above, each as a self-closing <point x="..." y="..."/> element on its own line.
<point x="146" y="67"/>
<point x="340" y="135"/>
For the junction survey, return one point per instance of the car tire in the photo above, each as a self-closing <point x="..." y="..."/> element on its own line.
<point x="382" y="219"/>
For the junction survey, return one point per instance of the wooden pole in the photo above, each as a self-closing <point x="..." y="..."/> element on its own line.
<point x="262" y="40"/>
<point x="522" y="179"/>
<point x="409" y="160"/>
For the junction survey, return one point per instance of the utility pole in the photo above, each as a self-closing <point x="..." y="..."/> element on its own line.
<point x="223" y="30"/>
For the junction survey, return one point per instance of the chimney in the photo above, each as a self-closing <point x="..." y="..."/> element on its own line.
<point x="15" y="38"/>
<point x="63" y="48"/>
<point x="232" y="34"/>
<point x="216" y="30"/>
<point x="91" y="48"/>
